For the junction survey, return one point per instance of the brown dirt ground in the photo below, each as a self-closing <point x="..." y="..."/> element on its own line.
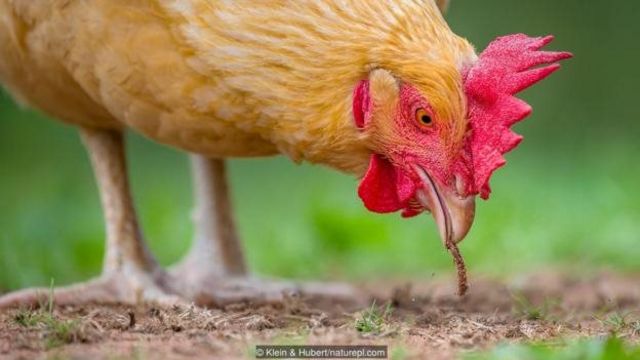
<point x="427" y="321"/>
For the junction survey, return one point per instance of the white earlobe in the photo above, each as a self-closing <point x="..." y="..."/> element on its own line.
<point x="384" y="90"/>
<point x="383" y="86"/>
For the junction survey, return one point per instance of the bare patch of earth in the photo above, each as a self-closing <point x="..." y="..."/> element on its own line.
<point x="415" y="319"/>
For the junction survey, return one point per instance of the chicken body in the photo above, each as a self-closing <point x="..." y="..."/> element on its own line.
<point x="218" y="78"/>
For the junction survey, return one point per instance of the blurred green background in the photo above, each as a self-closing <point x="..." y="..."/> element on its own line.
<point x="568" y="197"/>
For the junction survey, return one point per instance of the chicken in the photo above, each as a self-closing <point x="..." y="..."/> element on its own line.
<point x="383" y="90"/>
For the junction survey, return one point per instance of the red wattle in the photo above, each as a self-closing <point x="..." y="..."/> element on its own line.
<point x="385" y="188"/>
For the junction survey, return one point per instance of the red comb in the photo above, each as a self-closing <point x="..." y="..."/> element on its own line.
<point x="507" y="66"/>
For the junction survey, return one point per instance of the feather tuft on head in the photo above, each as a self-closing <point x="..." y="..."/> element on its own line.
<point x="507" y="66"/>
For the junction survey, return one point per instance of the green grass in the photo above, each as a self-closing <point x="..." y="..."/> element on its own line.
<point x="30" y="318"/>
<point x="44" y="314"/>
<point x="56" y="332"/>
<point x="529" y="311"/>
<point x="620" y="321"/>
<point x="616" y="321"/>
<point x="611" y="348"/>
<point x="373" y="319"/>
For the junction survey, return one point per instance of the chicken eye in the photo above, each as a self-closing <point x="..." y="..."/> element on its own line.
<point x="423" y="118"/>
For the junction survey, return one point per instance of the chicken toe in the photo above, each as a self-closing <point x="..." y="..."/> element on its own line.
<point x="129" y="289"/>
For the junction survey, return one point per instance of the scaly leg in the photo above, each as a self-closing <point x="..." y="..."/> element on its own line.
<point x="130" y="272"/>
<point x="214" y="270"/>
<point x="216" y="249"/>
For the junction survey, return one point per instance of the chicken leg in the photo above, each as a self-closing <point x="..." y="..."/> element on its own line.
<point x="130" y="273"/>
<point x="216" y="249"/>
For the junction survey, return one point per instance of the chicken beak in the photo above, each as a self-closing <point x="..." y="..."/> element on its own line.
<point x="453" y="214"/>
